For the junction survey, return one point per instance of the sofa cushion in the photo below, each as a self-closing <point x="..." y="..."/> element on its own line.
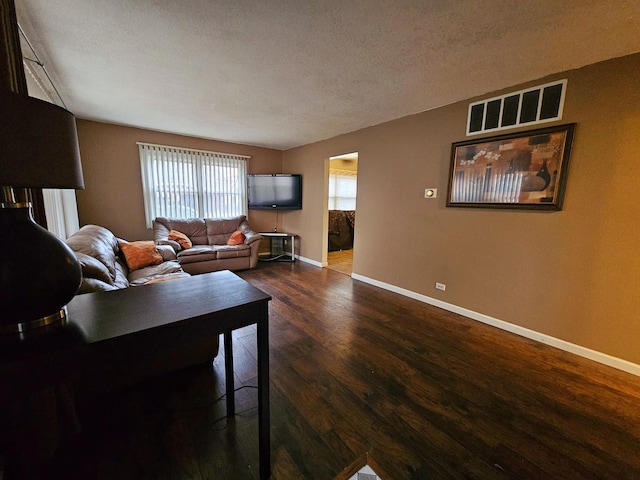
<point x="93" y="268"/>
<point x="175" y="246"/>
<point x="236" y="238"/>
<point x="122" y="274"/>
<point x="97" y="242"/>
<point x="167" y="252"/>
<point x="197" y="253"/>
<point x="94" y="285"/>
<point x="194" y="228"/>
<point x="140" y="254"/>
<point x="181" y="238"/>
<point x="170" y="276"/>
<point x="220" y="229"/>
<point x="146" y="274"/>
<point x="232" y="251"/>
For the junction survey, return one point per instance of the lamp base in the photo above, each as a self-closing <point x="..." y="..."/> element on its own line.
<point x="58" y="318"/>
<point x="39" y="274"/>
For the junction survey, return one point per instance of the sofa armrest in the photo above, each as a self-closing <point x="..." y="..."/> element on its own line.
<point x="253" y="240"/>
<point x="161" y="234"/>
<point x="168" y="252"/>
<point x="175" y="246"/>
<point x="251" y="236"/>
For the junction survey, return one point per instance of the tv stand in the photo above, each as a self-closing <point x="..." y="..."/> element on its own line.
<point x="281" y="247"/>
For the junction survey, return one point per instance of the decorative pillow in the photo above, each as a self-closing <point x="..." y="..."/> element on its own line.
<point x="93" y="268"/>
<point x="181" y="238"/>
<point x="236" y="238"/>
<point x="140" y="254"/>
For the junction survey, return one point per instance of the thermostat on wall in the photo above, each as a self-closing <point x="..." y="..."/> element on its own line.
<point x="430" y="193"/>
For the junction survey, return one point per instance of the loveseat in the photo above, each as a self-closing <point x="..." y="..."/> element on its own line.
<point x="205" y="245"/>
<point x="104" y="263"/>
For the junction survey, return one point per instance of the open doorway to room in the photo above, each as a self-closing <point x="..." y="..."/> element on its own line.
<point x="343" y="181"/>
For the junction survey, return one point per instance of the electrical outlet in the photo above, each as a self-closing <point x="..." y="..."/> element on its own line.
<point x="441" y="286"/>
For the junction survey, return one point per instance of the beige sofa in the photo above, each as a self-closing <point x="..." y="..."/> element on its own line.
<point x="207" y="248"/>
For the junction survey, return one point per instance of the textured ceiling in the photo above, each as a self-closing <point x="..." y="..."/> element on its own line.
<point x="283" y="73"/>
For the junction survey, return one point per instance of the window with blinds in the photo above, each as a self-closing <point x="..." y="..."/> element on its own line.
<point x="184" y="183"/>
<point x="342" y="190"/>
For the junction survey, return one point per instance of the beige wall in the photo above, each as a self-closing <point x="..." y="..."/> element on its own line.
<point x="572" y="274"/>
<point x="113" y="184"/>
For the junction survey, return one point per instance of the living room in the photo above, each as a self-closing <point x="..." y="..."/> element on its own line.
<point x="566" y="278"/>
<point x="528" y="269"/>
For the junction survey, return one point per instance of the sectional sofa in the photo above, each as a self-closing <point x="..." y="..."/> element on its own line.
<point x="111" y="263"/>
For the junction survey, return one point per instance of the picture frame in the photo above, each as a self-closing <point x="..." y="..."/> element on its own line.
<point x="524" y="170"/>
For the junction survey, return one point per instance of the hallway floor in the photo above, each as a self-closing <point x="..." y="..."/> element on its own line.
<point x="341" y="261"/>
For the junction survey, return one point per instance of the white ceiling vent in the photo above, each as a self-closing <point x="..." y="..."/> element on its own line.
<point x="535" y="105"/>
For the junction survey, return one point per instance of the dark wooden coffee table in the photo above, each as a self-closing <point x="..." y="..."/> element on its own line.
<point x="154" y="317"/>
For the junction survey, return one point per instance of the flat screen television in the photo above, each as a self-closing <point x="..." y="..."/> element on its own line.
<point x="279" y="191"/>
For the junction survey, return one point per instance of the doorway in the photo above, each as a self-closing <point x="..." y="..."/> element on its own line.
<point x="341" y="207"/>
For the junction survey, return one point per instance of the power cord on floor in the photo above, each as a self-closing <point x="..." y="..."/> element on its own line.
<point x="243" y="413"/>
<point x="211" y="403"/>
<point x="237" y="414"/>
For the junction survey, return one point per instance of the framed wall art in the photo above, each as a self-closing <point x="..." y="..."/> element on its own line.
<point x="525" y="170"/>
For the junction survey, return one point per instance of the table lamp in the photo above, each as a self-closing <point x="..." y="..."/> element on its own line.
<point x="39" y="274"/>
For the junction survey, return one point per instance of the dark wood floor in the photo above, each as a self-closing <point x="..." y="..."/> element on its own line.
<point x="355" y="370"/>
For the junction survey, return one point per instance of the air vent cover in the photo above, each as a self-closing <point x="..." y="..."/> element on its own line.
<point x="535" y="105"/>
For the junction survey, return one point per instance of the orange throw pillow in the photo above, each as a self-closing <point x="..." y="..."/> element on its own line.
<point x="236" y="238"/>
<point x="140" y="254"/>
<point x="181" y="238"/>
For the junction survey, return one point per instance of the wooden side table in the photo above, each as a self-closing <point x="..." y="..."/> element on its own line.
<point x="279" y="251"/>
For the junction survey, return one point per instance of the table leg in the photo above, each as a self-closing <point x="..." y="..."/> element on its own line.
<point x="293" y="248"/>
<point x="264" y="437"/>
<point x="228" y="373"/>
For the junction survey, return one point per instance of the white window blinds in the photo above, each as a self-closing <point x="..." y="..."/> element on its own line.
<point x="183" y="183"/>
<point x="342" y="190"/>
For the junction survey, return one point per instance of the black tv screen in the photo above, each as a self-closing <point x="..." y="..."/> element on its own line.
<point x="280" y="191"/>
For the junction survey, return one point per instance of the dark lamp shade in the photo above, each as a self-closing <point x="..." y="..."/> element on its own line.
<point x="38" y="144"/>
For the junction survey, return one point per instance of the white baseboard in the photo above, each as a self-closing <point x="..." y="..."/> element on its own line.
<point x="600" y="357"/>
<point x="312" y="262"/>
